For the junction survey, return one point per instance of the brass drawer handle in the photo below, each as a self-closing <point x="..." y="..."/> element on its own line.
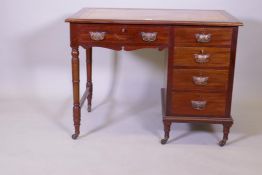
<point x="201" y="58"/>
<point x="198" y="105"/>
<point x="97" y="36"/>
<point x="203" y="38"/>
<point x="149" y="36"/>
<point x="200" y="80"/>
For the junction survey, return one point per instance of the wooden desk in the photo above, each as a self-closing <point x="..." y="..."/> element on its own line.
<point x="201" y="57"/>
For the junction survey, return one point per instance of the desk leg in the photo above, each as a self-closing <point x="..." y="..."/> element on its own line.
<point x="226" y="129"/>
<point x="167" y="125"/>
<point x="75" y="80"/>
<point x="89" y="84"/>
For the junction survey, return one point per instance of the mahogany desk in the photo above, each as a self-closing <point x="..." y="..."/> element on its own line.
<point x="201" y="57"/>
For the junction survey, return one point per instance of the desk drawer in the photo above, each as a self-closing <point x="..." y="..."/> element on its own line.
<point x="122" y="34"/>
<point x="200" y="79"/>
<point x="203" y="36"/>
<point x="204" y="104"/>
<point x="92" y="33"/>
<point x="202" y="56"/>
<point x="149" y="35"/>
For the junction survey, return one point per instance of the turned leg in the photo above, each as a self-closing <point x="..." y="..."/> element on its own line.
<point x="89" y="84"/>
<point x="226" y="129"/>
<point x="75" y="80"/>
<point x="167" y="126"/>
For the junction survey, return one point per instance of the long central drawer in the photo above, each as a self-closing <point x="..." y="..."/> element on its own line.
<point x="122" y="34"/>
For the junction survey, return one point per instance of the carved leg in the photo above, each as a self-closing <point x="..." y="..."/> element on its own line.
<point x="89" y="84"/>
<point x="75" y="77"/>
<point x="167" y="126"/>
<point x="226" y="129"/>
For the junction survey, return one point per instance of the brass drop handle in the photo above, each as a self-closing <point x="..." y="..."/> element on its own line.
<point x="198" y="105"/>
<point x="203" y="38"/>
<point x="200" y="80"/>
<point x="97" y="36"/>
<point x="202" y="57"/>
<point x="149" y="36"/>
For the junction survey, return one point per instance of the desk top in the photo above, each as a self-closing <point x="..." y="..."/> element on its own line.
<point x="154" y="16"/>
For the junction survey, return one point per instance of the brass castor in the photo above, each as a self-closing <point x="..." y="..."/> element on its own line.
<point x="222" y="142"/>
<point x="164" y="141"/>
<point x="89" y="108"/>
<point x="74" y="136"/>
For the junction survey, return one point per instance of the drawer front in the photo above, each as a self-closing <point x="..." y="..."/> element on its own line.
<point x="91" y="33"/>
<point x="204" y="104"/>
<point x="200" y="79"/>
<point x="122" y="34"/>
<point x="202" y="56"/>
<point x="148" y="35"/>
<point x="198" y="36"/>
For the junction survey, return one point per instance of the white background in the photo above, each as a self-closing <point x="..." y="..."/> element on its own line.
<point x="36" y="97"/>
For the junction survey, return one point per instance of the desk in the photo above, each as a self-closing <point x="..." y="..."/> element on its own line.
<point x="201" y="57"/>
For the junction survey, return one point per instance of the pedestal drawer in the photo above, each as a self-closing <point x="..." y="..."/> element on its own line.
<point x="202" y="56"/>
<point x="200" y="79"/>
<point x="203" y="36"/>
<point x="204" y="104"/>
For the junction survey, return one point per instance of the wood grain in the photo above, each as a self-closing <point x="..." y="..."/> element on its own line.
<point x="217" y="79"/>
<point x="181" y="104"/>
<point x="219" y="57"/>
<point x="121" y="34"/>
<point x="154" y="16"/>
<point x="185" y="36"/>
